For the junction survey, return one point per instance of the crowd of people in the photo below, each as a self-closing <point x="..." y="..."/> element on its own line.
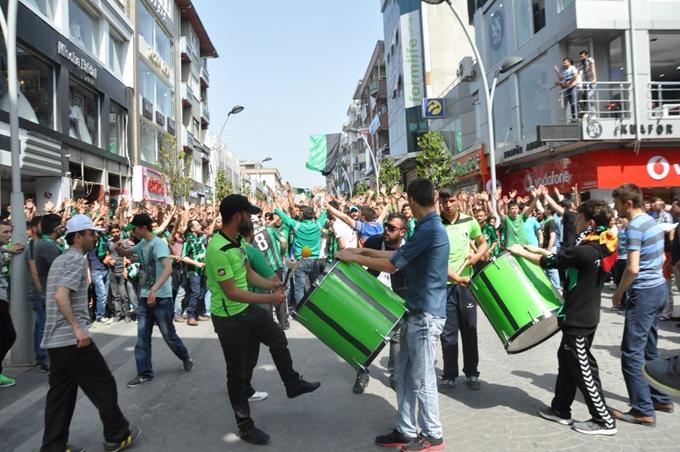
<point x="159" y="265"/>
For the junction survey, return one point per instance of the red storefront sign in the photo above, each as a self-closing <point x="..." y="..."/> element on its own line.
<point x="649" y="168"/>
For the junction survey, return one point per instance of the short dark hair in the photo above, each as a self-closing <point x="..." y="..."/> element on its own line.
<point x="584" y="51"/>
<point x="569" y="60"/>
<point x="421" y="191"/>
<point x="308" y="213"/>
<point x="70" y="237"/>
<point x="512" y="203"/>
<point x="334" y="204"/>
<point x="447" y="192"/>
<point x="596" y="210"/>
<point x="49" y="223"/>
<point x="269" y="216"/>
<point x="397" y="216"/>
<point x="628" y="192"/>
<point x="368" y="213"/>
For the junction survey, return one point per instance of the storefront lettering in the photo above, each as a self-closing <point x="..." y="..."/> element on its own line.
<point x="548" y="179"/>
<point x="465" y="168"/>
<point x="158" y="62"/>
<point x="644" y="129"/>
<point x="89" y="69"/>
<point x="162" y="8"/>
<point x="658" y="167"/>
<point x="155" y="186"/>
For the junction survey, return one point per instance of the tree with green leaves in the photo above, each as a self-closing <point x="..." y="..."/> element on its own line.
<point x="223" y="186"/>
<point x="390" y="175"/>
<point x="435" y="161"/>
<point x="361" y="188"/>
<point x="176" y="167"/>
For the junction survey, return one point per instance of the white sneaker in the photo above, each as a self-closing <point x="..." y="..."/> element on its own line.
<point x="258" y="396"/>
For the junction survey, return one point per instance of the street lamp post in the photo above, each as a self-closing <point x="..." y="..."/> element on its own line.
<point x="349" y="182"/>
<point x="506" y="65"/>
<point x="234" y="110"/>
<point x="258" y="168"/>
<point x="22" y="352"/>
<point x="371" y="153"/>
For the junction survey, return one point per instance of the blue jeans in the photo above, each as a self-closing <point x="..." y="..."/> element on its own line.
<point x="38" y="301"/>
<point x="639" y="342"/>
<point x="100" y="279"/>
<point x="415" y="377"/>
<point x="308" y="269"/>
<point x="161" y="315"/>
<point x="196" y="295"/>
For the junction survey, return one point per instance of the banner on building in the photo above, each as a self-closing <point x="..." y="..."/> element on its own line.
<point x="324" y="151"/>
<point x="412" y="54"/>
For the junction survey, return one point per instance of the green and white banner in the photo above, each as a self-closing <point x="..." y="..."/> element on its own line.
<point x="324" y="151"/>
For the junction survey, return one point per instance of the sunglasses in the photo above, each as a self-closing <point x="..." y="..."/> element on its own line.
<point x="390" y="227"/>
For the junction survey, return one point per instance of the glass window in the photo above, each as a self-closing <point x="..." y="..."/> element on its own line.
<point x="538" y="10"/>
<point x="36" y="93"/>
<point x="116" y="55"/>
<point x="502" y="114"/>
<point x="195" y="128"/>
<point x="193" y="43"/>
<point x="562" y="4"/>
<point x="617" y="60"/>
<point x="145" y="23"/>
<point x="496" y="29"/>
<point x="194" y="85"/>
<point x="83" y="114"/>
<point x="46" y="7"/>
<point x="163" y="46"/>
<point x="524" y="23"/>
<point x="164" y="98"/>
<point x="147" y="81"/>
<point x="117" y="130"/>
<point x="147" y="141"/>
<point x="535" y="86"/>
<point x="84" y="28"/>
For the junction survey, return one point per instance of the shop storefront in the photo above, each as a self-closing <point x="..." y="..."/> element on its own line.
<point x="149" y="185"/>
<point x="472" y="170"/>
<point x="655" y="170"/>
<point x="73" y="113"/>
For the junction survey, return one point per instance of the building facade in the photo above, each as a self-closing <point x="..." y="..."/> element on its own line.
<point x="75" y="69"/>
<point x="423" y="45"/>
<point x="627" y="127"/>
<point x="259" y="181"/>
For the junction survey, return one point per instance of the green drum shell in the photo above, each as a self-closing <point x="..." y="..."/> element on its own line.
<point x="352" y="312"/>
<point x="519" y="300"/>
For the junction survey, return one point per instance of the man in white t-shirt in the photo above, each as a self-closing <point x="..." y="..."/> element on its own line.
<point x="344" y="234"/>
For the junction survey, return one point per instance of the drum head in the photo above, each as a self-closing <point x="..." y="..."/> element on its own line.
<point x="533" y="334"/>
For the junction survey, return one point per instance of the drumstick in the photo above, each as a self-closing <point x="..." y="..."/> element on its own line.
<point x="293" y="265"/>
<point x="466" y="262"/>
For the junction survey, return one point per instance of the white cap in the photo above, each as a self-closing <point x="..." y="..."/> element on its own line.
<point x="81" y="223"/>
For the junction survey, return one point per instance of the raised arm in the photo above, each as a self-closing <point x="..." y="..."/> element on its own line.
<point x="341" y="216"/>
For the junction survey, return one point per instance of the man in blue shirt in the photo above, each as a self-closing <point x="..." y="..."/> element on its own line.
<point x="369" y="224"/>
<point x="423" y="259"/>
<point x="647" y="293"/>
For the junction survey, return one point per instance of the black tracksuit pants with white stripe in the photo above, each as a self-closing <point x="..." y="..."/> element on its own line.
<point x="578" y="369"/>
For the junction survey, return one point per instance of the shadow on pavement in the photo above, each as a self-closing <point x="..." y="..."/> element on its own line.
<point x="494" y="395"/>
<point x="547" y="382"/>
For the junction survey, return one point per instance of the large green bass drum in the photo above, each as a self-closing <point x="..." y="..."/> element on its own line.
<point x="351" y="312"/>
<point x="519" y="301"/>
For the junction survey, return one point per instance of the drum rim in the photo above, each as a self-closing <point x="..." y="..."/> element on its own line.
<point x="523" y="329"/>
<point x="308" y="292"/>
<point x="382" y="345"/>
<point x="491" y="262"/>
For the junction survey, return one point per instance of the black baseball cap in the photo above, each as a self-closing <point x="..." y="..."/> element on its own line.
<point x="237" y="203"/>
<point x="139" y="220"/>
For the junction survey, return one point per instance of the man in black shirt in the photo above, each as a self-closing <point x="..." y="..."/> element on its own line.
<point x="586" y="265"/>
<point x="394" y="230"/>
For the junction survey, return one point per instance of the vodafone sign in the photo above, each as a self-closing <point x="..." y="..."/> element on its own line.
<point x="649" y="168"/>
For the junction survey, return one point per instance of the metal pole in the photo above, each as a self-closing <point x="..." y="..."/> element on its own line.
<point x="349" y="182"/>
<point x="219" y="137"/>
<point x="489" y="113"/>
<point x="375" y="165"/>
<point x="22" y="352"/>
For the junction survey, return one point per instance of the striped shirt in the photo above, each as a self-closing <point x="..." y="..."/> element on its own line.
<point x="645" y="236"/>
<point x="68" y="270"/>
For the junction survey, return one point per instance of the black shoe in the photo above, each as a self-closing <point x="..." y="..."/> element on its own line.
<point x="254" y="436"/>
<point x="188" y="364"/>
<point x="133" y="434"/>
<point x="552" y="415"/>
<point x="360" y="383"/>
<point x="302" y="387"/>
<point x="594" y="428"/>
<point x="393" y="439"/>
<point x="70" y="448"/>
<point x="44" y="368"/>
<point x="138" y="381"/>
<point x="424" y="443"/>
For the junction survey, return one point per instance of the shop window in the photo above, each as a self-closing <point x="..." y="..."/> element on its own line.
<point x="148" y="142"/>
<point x="503" y="114"/>
<point x="84" y="27"/>
<point x="145" y="23"/>
<point x="116" y="55"/>
<point x="147" y="82"/>
<point x="117" y="130"/>
<point x="163" y="46"/>
<point x="83" y="114"/>
<point x="46" y="7"/>
<point x="164" y="101"/>
<point x="36" y="88"/>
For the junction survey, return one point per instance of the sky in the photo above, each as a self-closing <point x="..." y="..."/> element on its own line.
<point x="294" y="66"/>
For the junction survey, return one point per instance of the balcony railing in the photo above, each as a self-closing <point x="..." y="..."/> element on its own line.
<point x="601" y="100"/>
<point x="663" y="100"/>
<point x="205" y="75"/>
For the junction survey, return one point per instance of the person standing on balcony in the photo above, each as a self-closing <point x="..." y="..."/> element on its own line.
<point x="588" y="73"/>
<point x="568" y="80"/>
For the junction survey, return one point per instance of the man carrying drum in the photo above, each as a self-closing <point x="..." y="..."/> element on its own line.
<point x="461" y="306"/>
<point x="586" y="265"/>
<point x="422" y="258"/>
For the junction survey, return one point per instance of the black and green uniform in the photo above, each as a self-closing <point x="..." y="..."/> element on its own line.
<point x="267" y="240"/>
<point x="194" y="248"/>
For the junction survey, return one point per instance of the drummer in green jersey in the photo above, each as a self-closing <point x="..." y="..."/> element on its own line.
<point x="461" y="307"/>
<point x="238" y="323"/>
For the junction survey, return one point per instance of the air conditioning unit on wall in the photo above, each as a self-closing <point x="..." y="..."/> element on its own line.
<point x="466" y="69"/>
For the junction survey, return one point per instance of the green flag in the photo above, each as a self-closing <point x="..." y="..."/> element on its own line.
<point x="323" y="152"/>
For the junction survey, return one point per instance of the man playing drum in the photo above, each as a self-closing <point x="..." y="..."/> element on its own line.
<point x="422" y="258"/>
<point x="586" y="265"/>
